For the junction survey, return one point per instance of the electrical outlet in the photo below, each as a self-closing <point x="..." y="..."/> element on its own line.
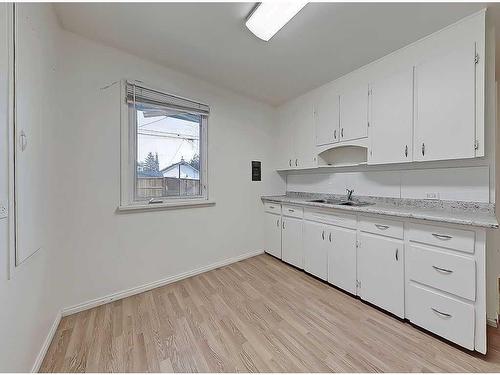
<point x="432" y="195"/>
<point x="3" y="211"/>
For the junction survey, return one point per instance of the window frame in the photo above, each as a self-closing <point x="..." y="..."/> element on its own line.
<point x="128" y="157"/>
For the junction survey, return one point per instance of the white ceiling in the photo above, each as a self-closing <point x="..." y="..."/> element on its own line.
<point x="210" y="41"/>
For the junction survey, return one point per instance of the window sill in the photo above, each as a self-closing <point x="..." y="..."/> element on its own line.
<point x="166" y="206"/>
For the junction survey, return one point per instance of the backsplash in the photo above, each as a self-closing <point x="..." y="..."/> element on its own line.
<point x="458" y="183"/>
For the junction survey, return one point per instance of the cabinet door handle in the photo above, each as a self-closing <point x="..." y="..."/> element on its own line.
<point x="323" y="235"/>
<point x="342" y="132"/>
<point x="330" y="237"/>
<point x="442" y="270"/>
<point x="296" y="162"/>
<point x="382" y="227"/>
<point x="441" y="314"/>
<point x="278" y="223"/>
<point x="423" y="149"/>
<point x="290" y="162"/>
<point x="406" y="151"/>
<point x="397" y="255"/>
<point x="335" y="134"/>
<point x="443" y="237"/>
<point x="283" y="224"/>
<point x="23" y="140"/>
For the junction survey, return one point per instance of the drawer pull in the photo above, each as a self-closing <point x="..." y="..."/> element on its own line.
<point x="290" y="210"/>
<point x="382" y="227"/>
<point x="441" y="314"/>
<point x="443" y="237"/>
<point x="442" y="270"/>
<point x="271" y="207"/>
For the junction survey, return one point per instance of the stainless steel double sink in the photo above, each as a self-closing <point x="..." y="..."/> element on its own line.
<point x="341" y="202"/>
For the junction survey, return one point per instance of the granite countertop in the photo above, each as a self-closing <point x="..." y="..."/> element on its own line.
<point x="475" y="214"/>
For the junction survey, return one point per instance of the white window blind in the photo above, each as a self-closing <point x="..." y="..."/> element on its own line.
<point x="136" y="93"/>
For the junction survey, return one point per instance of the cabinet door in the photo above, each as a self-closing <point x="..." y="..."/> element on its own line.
<point x="273" y="234"/>
<point x="303" y="138"/>
<point x="380" y="272"/>
<point x="285" y="140"/>
<point x="354" y="113"/>
<point x="342" y="258"/>
<point x="391" y="112"/>
<point x="292" y="250"/>
<point x="315" y="249"/>
<point x="445" y="105"/>
<point x="326" y="118"/>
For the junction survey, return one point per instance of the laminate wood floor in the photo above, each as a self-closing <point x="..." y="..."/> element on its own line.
<point x="257" y="315"/>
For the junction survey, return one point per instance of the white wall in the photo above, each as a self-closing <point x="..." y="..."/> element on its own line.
<point x="30" y="300"/>
<point x="107" y="252"/>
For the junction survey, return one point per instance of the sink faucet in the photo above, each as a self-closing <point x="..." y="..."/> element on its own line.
<point x="349" y="194"/>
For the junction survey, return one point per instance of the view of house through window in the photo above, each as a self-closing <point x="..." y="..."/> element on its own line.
<point x="168" y="153"/>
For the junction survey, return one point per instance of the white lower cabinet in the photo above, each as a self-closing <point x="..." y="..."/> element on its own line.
<point x="381" y="272"/>
<point x="316" y="249"/>
<point x="342" y="258"/>
<point x="291" y="236"/>
<point x="272" y="225"/>
<point x="432" y="275"/>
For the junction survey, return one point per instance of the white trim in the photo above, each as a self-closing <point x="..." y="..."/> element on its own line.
<point x="492" y="322"/>
<point x="43" y="351"/>
<point x="155" y="284"/>
<point x="166" y="206"/>
<point x="11" y="145"/>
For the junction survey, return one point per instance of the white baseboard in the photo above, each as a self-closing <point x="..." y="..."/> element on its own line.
<point x="46" y="343"/>
<point x="492" y="322"/>
<point x="155" y="284"/>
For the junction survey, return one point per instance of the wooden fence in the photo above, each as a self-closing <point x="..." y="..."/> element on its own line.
<point x="155" y="187"/>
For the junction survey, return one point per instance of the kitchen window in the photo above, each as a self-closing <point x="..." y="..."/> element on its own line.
<point x="164" y="149"/>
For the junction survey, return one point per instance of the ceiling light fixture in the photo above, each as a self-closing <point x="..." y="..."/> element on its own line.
<point x="269" y="17"/>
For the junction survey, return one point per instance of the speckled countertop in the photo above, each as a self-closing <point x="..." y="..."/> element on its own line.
<point x="455" y="212"/>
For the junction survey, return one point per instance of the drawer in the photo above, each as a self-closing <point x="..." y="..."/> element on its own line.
<point x="292" y="211"/>
<point x="383" y="227"/>
<point x="338" y="219"/>
<point x="274" y="208"/>
<point x="455" y="239"/>
<point x="442" y="315"/>
<point x="452" y="273"/>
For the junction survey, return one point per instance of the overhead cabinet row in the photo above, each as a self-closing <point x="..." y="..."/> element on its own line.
<point x="422" y="103"/>
<point x="409" y="114"/>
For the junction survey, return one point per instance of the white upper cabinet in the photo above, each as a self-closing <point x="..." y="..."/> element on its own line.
<point x="391" y="112"/>
<point x="445" y="104"/>
<point x="303" y="138"/>
<point x="354" y="113"/>
<point x="327" y="118"/>
<point x="428" y="101"/>
<point x="296" y="138"/>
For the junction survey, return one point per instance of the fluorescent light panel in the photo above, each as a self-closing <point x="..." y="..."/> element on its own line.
<point x="270" y="17"/>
